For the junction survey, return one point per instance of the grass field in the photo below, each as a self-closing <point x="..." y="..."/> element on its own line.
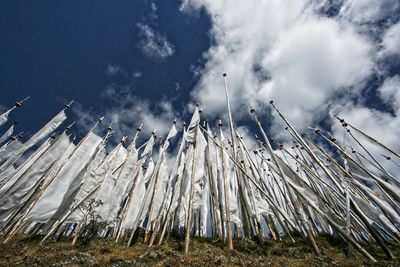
<point x="26" y="251"/>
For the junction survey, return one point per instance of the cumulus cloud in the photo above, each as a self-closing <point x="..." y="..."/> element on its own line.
<point x="154" y="44"/>
<point x="391" y="40"/>
<point x="242" y="32"/>
<point x="390" y="93"/>
<point x="310" y="62"/>
<point x="279" y="50"/>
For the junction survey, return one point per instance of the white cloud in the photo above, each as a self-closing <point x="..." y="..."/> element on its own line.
<point x="391" y="40"/>
<point x="113" y="70"/>
<point x="283" y="50"/>
<point x="137" y="74"/>
<point x="367" y="11"/>
<point x="153" y="11"/>
<point x="390" y="93"/>
<point x="383" y="126"/>
<point x="154" y="44"/>
<point x="310" y="62"/>
<point x="177" y="86"/>
<point x="127" y="112"/>
<point x="380" y="125"/>
<point x="242" y="32"/>
<point x="278" y="50"/>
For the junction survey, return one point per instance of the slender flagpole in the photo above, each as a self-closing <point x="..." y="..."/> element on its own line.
<point x="348" y="196"/>
<point x="293" y="198"/>
<point x="19" y="103"/>
<point x="373" y="140"/>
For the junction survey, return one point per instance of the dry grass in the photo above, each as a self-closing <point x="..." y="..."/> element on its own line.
<point x="26" y="251"/>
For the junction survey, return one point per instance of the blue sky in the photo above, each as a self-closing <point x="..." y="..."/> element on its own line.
<point x="58" y="51"/>
<point x="149" y="61"/>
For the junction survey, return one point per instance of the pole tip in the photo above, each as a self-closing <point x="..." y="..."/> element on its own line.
<point x="69" y="126"/>
<point x="68" y="105"/>
<point x="224" y="74"/>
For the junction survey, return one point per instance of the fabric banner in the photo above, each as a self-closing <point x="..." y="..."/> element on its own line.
<point x="10" y="179"/>
<point x="7" y="134"/>
<point x="37" y="137"/>
<point x="23" y="188"/>
<point x="9" y="149"/>
<point x="53" y="196"/>
<point x="4" y="116"/>
<point x="134" y="202"/>
<point x="111" y="193"/>
<point x="95" y="171"/>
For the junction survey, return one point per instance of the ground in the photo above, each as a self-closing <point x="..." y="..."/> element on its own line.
<point x="26" y="251"/>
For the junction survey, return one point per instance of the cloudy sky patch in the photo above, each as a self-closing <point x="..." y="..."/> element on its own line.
<point x="312" y="57"/>
<point x="154" y="44"/>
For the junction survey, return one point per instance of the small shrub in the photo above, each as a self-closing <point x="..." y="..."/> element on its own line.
<point x="90" y="230"/>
